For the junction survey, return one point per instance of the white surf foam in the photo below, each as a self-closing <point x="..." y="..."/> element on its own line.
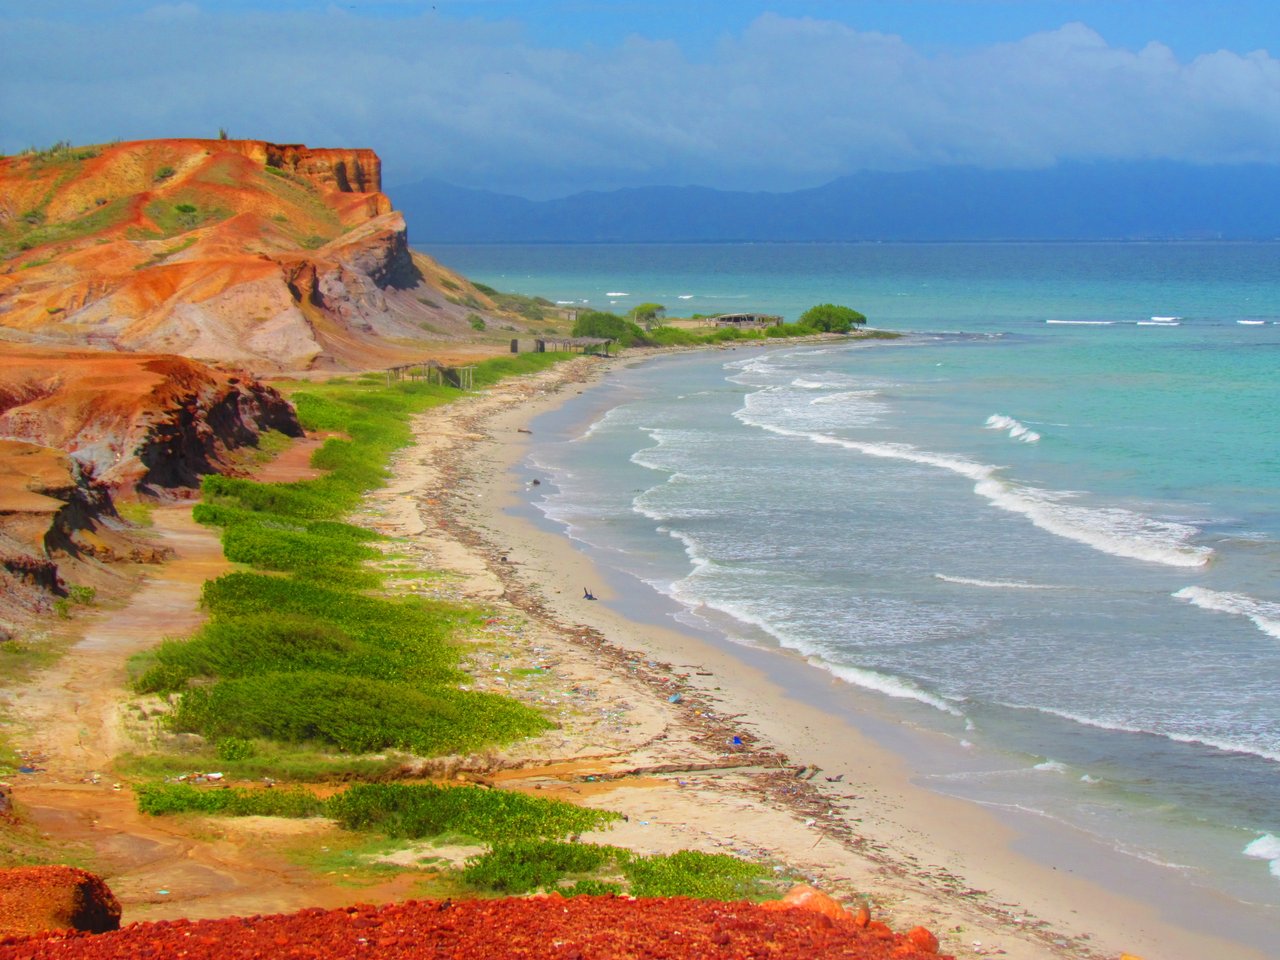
<point x="844" y="396"/>
<point x="617" y="293"/>
<point x="1264" y="615"/>
<point x="1083" y="323"/>
<point x="1215" y="743"/>
<point x="1113" y="530"/>
<point x="890" y="686"/>
<point x="1266" y="847"/>
<point x="1051" y="766"/>
<point x="994" y="584"/>
<point x="1252" y="323"/>
<point x="1016" y="430"/>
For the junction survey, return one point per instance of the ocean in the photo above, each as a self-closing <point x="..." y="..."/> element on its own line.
<point x="1043" y="524"/>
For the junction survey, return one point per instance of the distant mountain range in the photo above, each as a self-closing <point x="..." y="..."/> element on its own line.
<point x="1072" y="201"/>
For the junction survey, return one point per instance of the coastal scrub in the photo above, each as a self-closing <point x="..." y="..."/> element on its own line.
<point x="305" y="648"/>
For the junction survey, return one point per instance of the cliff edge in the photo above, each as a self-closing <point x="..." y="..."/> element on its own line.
<point x="271" y="256"/>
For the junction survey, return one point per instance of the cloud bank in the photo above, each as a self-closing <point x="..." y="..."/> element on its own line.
<point x="784" y="103"/>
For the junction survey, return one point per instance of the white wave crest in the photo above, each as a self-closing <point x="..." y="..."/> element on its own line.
<point x="1083" y="323"/>
<point x="889" y="686"/>
<point x="844" y="396"/>
<point x="1266" y="847"/>
<point x="1017" y="431"/>
<point x="994" y="584"/>
<point x="1264" y="615"/>
<point x="1051" y="766"/>
<point x="1113" y="530"/>
<point x="1215" y="743"/>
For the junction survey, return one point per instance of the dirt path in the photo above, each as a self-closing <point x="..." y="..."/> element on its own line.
<point x="72" y="719"/>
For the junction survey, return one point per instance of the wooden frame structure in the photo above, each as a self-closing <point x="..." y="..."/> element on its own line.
<point x="433" y="371"/>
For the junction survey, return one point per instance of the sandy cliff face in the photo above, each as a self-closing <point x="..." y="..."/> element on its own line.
<point x="276" y="257"/>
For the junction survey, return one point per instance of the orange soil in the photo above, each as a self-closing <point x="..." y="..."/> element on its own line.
<point x="280" y="257"/>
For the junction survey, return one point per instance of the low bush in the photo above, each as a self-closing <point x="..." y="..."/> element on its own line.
<point x="159" y="799"/>
<point x="528" y="865"/>
<point x="525" y="866"/>
<point x="353" y="713"/>
<point x="311" y="657"/>
<point x="705" y="876"/>
<point x="491" y="816"/>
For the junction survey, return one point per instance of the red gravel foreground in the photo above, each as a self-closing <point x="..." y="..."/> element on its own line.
<point x="577" y="928"/>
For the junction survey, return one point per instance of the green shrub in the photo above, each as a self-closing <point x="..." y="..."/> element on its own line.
<point x="706" y="876"/>
<point x="235" y="748"/>
<point x="528" y="865"/>
<point x="831" y="318"/>
<point x="352" y="713"/>
<point x="493" y="816"/>
<point x="596" y="323"/>
<point x="160" y="799"/>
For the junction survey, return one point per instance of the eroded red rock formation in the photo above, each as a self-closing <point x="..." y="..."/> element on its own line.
<point x="42" y="900"/>
<point x="270" y="256"/>
<point x="578" y="928"/>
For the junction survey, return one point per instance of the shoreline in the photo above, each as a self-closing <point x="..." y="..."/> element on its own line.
<point x="923" y="857"/>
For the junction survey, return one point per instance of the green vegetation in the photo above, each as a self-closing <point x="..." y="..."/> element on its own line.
<point x="831" y="318"/>
<point x="398" y="810"/>
<point x="414" y="811"/>
<point x="524" y="866"/>
<point x="707" y="876"/>
<point x="533" y="309"/>
<point x="159" y="799"/>
<point x="164" y="173"/>
<point x="176" y="218"/>
<point x="299" y="651"/>
<point x="596" y="323"/>
<point x="527" y="835"/>
<point x="820" y="319"/>
<point x="77" y="596"/>
<point x="648" y="315"/>
<point x="476" y="321"/>
<point x="27" y="234"/>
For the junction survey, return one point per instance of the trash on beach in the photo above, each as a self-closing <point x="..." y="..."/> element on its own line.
<point x="674" y="698"/>
<point x="736" y="741"/>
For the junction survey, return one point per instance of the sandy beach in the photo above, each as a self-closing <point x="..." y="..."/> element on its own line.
<point x="649" y="714"/>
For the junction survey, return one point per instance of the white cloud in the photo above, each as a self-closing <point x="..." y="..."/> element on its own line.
<point x="784" y="103"/>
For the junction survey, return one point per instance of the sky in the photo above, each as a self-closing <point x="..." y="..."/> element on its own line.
<point x="544" y="98"/>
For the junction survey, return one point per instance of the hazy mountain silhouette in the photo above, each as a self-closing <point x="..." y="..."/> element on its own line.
<point x="1074" y="201"/>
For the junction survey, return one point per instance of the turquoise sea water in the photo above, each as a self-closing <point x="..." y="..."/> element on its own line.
<point x="1042" y="523"/>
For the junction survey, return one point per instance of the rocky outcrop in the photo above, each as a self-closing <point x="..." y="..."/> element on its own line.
<point x="269" y="256"/>
<point x="35" y="900"/>
<point x="79" y="427"/>
<point x="136" y="422"/>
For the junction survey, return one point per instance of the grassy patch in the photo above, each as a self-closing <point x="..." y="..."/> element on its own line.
<point x="268" y="760"/>
<point x="525" y="866"/>
<point x="302" y="652"/>
<point x="491" y="816"/>
<point x="159" y="799"/>
<point x="528" y="865"/>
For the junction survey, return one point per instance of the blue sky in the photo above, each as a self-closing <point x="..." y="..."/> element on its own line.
<point x="546" y="98"/>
